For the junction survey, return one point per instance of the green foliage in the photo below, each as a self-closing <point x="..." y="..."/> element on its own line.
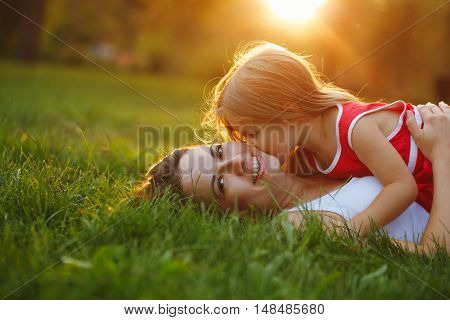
<point x="66" y="208"/>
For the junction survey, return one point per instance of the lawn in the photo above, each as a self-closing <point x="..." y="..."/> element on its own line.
<point x="69" y="228"/>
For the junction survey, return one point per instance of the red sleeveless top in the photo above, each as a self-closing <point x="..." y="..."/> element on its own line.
<point x="346" y="163"/>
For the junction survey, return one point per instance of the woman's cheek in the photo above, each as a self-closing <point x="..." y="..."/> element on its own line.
<point x="237" y="195"/>
<point x="244" y="199"/>
<point x="260" y="143"/>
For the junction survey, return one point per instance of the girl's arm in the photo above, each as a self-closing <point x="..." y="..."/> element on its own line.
<point x="434" y="142"/>
<point x="400" y="189"/>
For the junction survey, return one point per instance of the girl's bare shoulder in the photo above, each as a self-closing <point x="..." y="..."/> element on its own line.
<point x="385" y="120"/>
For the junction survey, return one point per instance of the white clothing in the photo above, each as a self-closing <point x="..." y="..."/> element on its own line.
<point x="356" y="195"/>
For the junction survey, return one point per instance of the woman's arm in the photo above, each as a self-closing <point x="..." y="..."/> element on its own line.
<point x="434" y="141"/>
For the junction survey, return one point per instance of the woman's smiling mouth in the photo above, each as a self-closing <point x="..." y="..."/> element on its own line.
<point x="257" y="168"/>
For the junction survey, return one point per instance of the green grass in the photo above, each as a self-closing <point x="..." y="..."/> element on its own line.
<point x="68" y="163"/>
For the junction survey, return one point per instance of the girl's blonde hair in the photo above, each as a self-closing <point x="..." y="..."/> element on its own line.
<point x="268" y="83"/>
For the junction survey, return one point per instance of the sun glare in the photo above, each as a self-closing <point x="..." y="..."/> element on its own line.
<point x="295" y="10"/>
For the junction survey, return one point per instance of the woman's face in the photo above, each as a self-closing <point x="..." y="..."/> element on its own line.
<point x="234" y="174"/>
<point x="277" y="139"/>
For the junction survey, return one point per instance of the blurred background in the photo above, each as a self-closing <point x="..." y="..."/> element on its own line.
<point x="162" y="57"/>
<point x="197" y="38"/>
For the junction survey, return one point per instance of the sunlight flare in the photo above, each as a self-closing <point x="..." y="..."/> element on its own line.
<point x="295" y="10"/>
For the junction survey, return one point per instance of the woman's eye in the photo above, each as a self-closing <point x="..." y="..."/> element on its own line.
<point x="221" y="183"/>
<point x="219" y="151"/>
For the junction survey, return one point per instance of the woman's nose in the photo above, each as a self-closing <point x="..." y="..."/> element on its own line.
<point x="249" y="139"/>
<point x="234" y="165"/>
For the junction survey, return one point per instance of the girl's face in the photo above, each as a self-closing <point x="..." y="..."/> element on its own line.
<point x="233" y="174"/>
<point x="277" y="139"/>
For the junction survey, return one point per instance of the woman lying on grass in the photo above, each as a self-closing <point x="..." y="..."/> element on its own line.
<point x="239" y="176"/>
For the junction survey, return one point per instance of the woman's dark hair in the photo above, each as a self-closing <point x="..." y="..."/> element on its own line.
<point x="162" y="175"/>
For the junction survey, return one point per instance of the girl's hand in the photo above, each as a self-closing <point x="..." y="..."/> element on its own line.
<point x="434" y="139"/>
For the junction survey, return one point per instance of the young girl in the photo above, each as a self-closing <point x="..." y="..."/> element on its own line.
<point x="271" y="96"/>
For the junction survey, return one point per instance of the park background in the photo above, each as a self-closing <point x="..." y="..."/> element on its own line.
<point x="75" y="91"/>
